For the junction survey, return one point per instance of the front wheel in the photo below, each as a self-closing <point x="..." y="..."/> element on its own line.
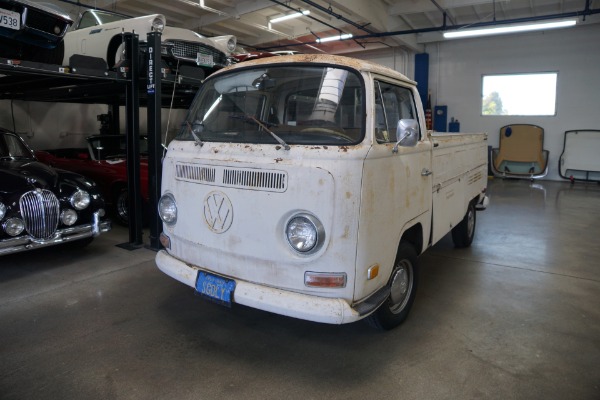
<point x="464" y="232"/>
<point x="403" y="289"/>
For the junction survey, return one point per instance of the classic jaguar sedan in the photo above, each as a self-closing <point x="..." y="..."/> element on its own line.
<point x="98" y="34"/>
<point x="41" y="206"/>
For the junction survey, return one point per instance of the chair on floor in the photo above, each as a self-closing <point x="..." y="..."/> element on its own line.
<point x="521" y="152"/>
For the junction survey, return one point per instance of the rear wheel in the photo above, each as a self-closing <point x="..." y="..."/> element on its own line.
<point x="121" y="206"/>
<point x="116" y="52"/>
<point x="403" y="288"/>
<point x="464" y="232"/>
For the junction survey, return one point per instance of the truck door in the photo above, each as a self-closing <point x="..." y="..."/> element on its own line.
<point x="396" y="188"/>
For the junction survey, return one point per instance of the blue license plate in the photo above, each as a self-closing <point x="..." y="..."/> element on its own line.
<point x="215" y="288"/>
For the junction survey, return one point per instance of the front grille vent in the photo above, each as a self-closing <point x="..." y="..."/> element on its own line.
<point x="40" y="210"/>
<point x="241" y="178"/>
<point x="45" y="23"/>
<point x="195" y="173"/>
<point x="254" y="179"/>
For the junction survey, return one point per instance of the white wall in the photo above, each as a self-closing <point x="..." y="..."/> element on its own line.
<point x="456" y="68"/>
<point x="51" y="125"/>
<point x="60" y="125"/>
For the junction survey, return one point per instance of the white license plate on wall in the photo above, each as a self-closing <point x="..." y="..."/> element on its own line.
<point x="10" y="19"/>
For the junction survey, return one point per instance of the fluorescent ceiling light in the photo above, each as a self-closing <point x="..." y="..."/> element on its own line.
<point x="508" y="29"/>
<point x="332" y="38"/>
<point x="290" y="16"/>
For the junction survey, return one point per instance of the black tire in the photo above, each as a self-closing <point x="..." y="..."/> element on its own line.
<point x="121" y="206"/>
<point x="464" y="232"/>
<point x="403" y="283"/>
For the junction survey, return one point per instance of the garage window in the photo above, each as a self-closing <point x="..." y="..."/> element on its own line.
<point x="519" y="94"/>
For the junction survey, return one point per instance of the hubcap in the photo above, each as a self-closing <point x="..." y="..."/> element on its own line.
<point x="122" y="206"/>
<point x="401" y="286"/>
<point x="470" y="222"/>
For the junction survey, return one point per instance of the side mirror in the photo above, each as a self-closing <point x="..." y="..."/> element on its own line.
<point x="407" y="133"/>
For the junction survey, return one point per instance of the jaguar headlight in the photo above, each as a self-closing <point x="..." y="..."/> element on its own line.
<point x="167" y="209"/>
<point x="305" y="233"/>
<point x="13" y="226"/>
<point x="80" y="200"/>
<point x="158" y="25"/>
<point x="2" y="210"/>
<point x="68" y="217"/>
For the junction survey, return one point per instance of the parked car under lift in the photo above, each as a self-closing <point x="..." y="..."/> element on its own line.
<point x="41" y="206"/>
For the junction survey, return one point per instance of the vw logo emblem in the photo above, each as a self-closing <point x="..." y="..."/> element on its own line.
<point x="218" y="212"/>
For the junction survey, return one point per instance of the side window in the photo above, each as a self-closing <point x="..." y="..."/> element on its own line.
<point x="392" y="103"/>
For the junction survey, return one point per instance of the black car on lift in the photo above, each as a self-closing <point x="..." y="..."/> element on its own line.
<point x="32" y="31"/>
<point x="41" y="206"/>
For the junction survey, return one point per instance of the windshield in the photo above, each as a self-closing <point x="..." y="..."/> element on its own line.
<point x="11" y="146"/>
<point x="113" y="147"/>
<point x="280" y="105"/>
<point x="96" y="17"/>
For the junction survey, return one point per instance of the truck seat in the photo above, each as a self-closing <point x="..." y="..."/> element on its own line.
<point x="520" y="153"/>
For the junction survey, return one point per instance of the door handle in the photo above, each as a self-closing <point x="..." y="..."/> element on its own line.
<point x="426" y="172"/>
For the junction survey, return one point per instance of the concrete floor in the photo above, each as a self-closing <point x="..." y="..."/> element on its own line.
<point x="516" y="316"/>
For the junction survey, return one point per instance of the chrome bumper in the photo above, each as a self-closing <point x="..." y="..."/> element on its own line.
<point x="26" y="242"/>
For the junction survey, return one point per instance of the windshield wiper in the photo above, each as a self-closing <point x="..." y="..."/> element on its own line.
<point x="264" y="125"/>
<point x="197" y="139"/>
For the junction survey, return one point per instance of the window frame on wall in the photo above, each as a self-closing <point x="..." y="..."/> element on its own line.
<point x="522" y="95"/>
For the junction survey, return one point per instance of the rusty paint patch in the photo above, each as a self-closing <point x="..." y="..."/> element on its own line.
<point x="344" y="149"/>
<point x="278" y="160"/>
<point x="348" y="195"/>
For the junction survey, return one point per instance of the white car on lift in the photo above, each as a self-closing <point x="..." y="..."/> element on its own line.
<point x="98" y="33"/>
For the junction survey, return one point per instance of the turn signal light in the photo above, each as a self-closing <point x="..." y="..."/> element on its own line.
<point x="325" y="279"/>
<point x="372" y="272"/>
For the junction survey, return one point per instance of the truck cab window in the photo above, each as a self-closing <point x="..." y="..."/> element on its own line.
<point x="392" y="103"/>
<point x="301" y="105"/>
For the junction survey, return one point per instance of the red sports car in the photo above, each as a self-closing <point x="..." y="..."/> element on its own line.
<point x="104" y="161"/>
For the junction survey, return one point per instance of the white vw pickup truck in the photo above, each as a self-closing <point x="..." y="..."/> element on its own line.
<point x="308" y="185"/>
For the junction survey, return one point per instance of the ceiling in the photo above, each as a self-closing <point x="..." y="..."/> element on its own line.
<point x="373" y="23"/>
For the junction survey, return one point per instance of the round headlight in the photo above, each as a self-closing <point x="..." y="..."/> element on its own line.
<point x="231" y="43"/>
<point x="80" y="200"/>
<point x="305" y="233"/>
<point x="2" y="210"/>
<point x="167" y="209"/>
<point x="68" y="217"/>
<point x="14" y="226"/>
<point x="158" y="25"/>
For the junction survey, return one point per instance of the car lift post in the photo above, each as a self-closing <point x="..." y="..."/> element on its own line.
<point x="132" y="102"/>
<point x="154" y="104"/>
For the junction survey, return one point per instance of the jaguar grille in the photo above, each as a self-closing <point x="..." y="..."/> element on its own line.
<point x="40" y="211"/>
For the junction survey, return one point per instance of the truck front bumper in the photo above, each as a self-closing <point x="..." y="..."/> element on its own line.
<point x="284" y="302"/>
